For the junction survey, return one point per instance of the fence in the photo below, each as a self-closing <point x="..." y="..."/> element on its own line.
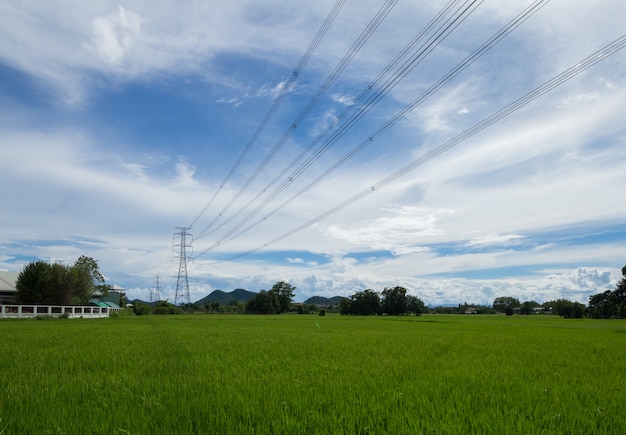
<point x="73" y="312"/>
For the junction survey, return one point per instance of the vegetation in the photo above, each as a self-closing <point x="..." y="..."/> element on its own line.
<point x="565" y="308"/>
<point x="284" y="374"/>
<point x="506" y="304"/>
<point x="56" y="284"/>
<point x="275" y="301"/>
<point x="611" y="303"/>
<point x="393" y="301"/>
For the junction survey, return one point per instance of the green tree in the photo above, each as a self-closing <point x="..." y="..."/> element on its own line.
<point x="33" y="284"/>
<point x="611" y="303"/>
<point x="90" y="266"/>
<point x="284" y="294"/>
<point x="415" y="305"/>
<point x="364" y="303"/>
<point x="601" y="306"/>
<point x="565" y="308"/>
<point x="505" y="304"/>
<point x="141" y="309"/>
<point x="263" y="303"/>
<point x="43" y="283"/>
<point x="394" y="301"/>
<point x="529" y="307"/>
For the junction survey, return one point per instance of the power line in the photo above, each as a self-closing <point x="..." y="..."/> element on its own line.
<point x="343" y="63"/>
<point x="605" y="52"/>
<point x="408" y="50"/>
<point x="283" y="92"/>
<point x="504" y="31"/>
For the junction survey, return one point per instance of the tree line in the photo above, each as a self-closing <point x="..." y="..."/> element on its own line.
<point x="391" y="301"/>
<point x="610" y="304"/>
<point x="43" y="283"/>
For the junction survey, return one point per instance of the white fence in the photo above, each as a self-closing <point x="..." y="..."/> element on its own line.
<point x="73" y="312"/>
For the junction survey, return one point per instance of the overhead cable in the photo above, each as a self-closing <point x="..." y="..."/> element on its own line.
<point x="343" y="63"/>
<point x="600" y="55"/>
<point x="283" y="92"/>
<point x="407" y="51"/>
<point x="497" y="37"/>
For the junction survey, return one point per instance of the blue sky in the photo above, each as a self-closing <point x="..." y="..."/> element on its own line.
<point x="119" y="121"/>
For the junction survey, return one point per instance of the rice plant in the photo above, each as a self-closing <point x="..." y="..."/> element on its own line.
<point x="303" y="374"/>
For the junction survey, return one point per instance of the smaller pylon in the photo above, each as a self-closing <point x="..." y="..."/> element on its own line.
<point x="155" y="295"/>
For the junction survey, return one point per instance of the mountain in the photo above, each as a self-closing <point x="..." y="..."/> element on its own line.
<point x="320" y="300"/>
<point x="224" y="298"/>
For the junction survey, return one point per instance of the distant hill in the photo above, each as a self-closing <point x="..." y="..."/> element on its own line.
<point x="320" y="300"/>
<point x="224" y="298"/>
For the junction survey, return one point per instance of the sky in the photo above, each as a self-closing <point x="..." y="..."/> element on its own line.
<point x="276" y="144"/>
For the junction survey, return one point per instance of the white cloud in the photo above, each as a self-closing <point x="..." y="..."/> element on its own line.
<point x="185" y="172"/>
<point x="496" y="239"/>
<point x="556" y="164"/>
<point x="343" y="99"/>
<point x="401" y="229"/>
<point x="113" y="34"/>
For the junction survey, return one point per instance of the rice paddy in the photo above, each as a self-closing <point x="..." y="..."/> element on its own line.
<point x="209" y="374"/>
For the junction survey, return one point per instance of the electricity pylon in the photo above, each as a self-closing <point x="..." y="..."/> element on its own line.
<point x="182" y="283"/>
<point x="155" y="295"/>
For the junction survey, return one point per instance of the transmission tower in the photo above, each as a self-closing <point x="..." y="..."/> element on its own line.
<point x="155" y="295"/>
<point x="182" y="283"/>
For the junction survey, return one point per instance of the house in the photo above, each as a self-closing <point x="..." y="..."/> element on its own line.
<point x="7" y="287"/>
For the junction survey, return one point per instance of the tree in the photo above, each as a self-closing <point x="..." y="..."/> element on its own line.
<point x="394" y="301"/>
<point x="529" y="307"/>
<point x="505" y="304"/>
<point x="565" y="308"/>
<point x="284" y="293"/>
<point x="141" y="308"/>
<point x="601" y="306"/>
<point x="362" y="303"/>
<point x="33" y="284"/>
<point x="90" y="266"/>
<point x="611" y="303"/>
<point x="263" y="303"/>
<point x="46" y="284"/>
<point x="415" y="305"/>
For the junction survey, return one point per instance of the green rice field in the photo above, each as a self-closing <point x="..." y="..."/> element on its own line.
<point x="299" y="374"/>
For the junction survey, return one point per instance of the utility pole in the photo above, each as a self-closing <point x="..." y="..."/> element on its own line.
<point x="182" y="283"/>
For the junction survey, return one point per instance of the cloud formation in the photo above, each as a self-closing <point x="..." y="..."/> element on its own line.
<point x="120" y="123"/>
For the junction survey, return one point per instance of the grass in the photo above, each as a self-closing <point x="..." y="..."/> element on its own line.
<point x="433" y="374"/>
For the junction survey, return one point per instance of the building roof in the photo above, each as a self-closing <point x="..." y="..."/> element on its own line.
<point x="8" y="280"/>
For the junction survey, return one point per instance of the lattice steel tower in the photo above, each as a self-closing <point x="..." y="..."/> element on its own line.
<point x="155" y="295"/>
<point x="182" y="283"/>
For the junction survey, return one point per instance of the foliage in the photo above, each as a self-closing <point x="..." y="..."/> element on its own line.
<point x="254" y="374"/>
<point x="275" y="301"/>
<point x="164" y="307"/>
<point x="44" y="283"/>
<point x="308" y="309"/>
<point x="528" y="307"/>
<point x="415" y="305"/>
<point x="565" y="308"/>
<point x="89" y="265"/>
<point x="141" y="309"/>
<point x="284" y="294"/>
<point x="611" y="303"/>
<point x="263" y="303"/>
<point x="394" y="301"/>
<point x="505" y="304"/>
<point x="363" y="303"/>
